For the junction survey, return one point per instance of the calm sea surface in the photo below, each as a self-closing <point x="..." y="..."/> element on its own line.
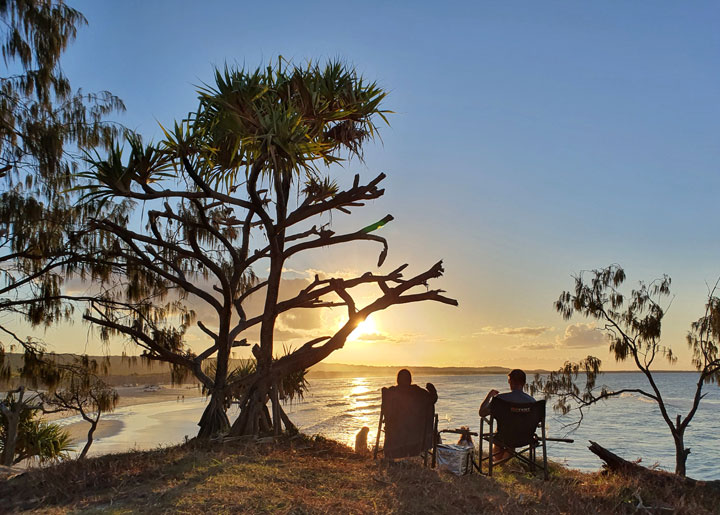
<point x="630" y="426"/>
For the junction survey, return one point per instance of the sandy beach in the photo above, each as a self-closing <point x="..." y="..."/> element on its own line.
<point x="129" y="396"/>
<point x="134" y="395"/>
<point x="105" y="428"/>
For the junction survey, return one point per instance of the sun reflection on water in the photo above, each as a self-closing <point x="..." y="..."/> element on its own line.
<point x="362" y="407"/>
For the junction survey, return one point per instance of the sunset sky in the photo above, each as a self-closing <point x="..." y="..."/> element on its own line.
<point x="530" y="140"/>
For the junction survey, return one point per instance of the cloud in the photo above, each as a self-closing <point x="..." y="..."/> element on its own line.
<point x="286" y="270"/>
<point x="338" y="274"/>
<point x="534" y="346"/>
<point x="373" y="337"/>
<point x="387" y="338"/>
<point x="305" y="319"/>
<point x="283" y="334"/>
<point x="580" y="336"/>
<point x="515" y="331"/>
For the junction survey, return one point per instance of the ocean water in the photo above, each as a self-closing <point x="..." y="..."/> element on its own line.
<point x="630" y="425"/>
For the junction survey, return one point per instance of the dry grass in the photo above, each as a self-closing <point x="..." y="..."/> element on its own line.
<point x="319" y="476"/>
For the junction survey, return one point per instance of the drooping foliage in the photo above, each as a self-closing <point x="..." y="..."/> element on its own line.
<point x="79" y="389"/>
<point x="41" y="114"/>
<point x="44" y="126"/>
<point x="633" y="325"/>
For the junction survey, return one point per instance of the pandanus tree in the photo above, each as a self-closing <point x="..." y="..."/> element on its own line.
<point x="236" y="188"/>
<point x="633" y="325"/>
<point x="24" y="435"/>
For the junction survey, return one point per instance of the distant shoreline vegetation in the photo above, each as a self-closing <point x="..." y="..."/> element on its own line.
<point x="134" y="370"/>
<point x="337" y="370"/>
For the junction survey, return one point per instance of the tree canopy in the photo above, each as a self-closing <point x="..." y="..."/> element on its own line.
<point x="44" y="125"/>
<point x="633" y="325"/>
<point x="238" y="186"/>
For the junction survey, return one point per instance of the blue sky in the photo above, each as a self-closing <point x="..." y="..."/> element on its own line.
<point x="531" y="140"/>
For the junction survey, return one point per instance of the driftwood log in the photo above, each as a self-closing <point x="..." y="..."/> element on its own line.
<point x="614" y="462"/>
<point x="617" y="464"/>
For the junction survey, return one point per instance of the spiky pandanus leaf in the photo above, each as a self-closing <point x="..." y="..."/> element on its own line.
<point x="287" y="117"/>
<point x="36" y="439"/>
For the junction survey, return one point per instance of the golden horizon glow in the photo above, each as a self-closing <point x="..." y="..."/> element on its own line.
<point x="366" y="327"/>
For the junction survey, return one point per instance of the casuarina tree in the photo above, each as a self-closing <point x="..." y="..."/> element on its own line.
<point x="79" y="389"/>
<point x="44" y="124"/>
<point x="633" y="325"/>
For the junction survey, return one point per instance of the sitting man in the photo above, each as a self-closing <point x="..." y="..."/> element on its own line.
<point x="409" y="411"/>
<point x="406" y="388"/>
<point x="516" y="395"/>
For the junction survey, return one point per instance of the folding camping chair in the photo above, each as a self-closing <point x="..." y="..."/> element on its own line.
<point x="410" y="425"/>
<point x="517" y="426"/>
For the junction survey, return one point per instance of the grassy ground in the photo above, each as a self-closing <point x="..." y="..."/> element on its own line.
<point x="318" y="476"/>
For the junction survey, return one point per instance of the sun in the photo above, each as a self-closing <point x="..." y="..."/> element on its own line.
<point x="365" y="327"/>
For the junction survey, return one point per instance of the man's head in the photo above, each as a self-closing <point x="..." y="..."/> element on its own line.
<point x="517" y="379"/>
<point x="404" y="378"/>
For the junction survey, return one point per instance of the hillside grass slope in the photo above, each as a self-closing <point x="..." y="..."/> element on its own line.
<point x="314" y="475"/>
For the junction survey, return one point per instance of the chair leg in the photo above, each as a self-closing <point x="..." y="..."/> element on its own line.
<point x="377" y="440"/>
<point x="544" y="451"/>
<point x="434" y="442"/>
<point x="532" y="458"/>
<point x="480" y="450"/>
<point x="491" y="453"/>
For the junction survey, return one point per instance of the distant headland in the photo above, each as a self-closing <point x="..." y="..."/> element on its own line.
<point x="133" y="370"/>
<point x="330" y="370"/>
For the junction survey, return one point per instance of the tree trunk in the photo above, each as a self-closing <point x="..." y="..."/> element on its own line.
<point x="277" y="423"/>
<point x="255" y="417"/>
<point x="259" y="393"/>
<point x="13" y="420"/>
<point x="289" y="426"/>
<point x="93" y="426"/>
<point x="681" y="453"/>
<point x="618" y="464"/>
<point x="214" y="419"/>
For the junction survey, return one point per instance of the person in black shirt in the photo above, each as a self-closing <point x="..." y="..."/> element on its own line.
<point x="408" y="410"/>
<point x="405" y="386"/>
<point x="516" y="381"/>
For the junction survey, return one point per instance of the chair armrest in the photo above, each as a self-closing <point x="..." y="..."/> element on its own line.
<point x="458" y="431"/>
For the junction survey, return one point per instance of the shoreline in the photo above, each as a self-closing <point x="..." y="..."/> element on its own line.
<point x="136" y="395"/>
<point x="129" y="396"/>
<point x="105" y="429"/>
